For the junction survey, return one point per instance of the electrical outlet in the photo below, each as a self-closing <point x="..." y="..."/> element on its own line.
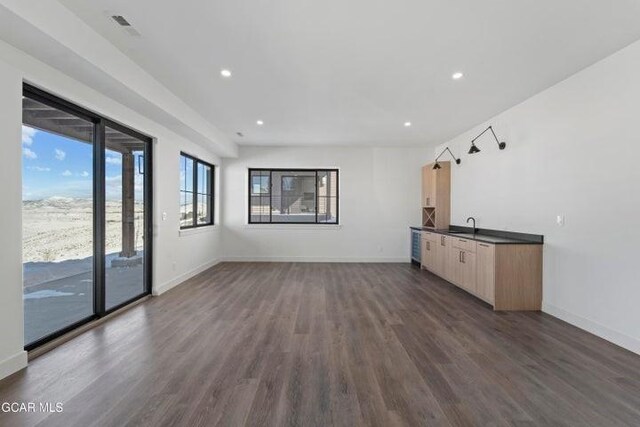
<point x="164" y="216"/>
<point x="560" y="220"/>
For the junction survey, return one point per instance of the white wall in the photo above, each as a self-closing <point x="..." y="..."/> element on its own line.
<point x="379" y="200"/>
<point x="179" y="255"/>
<point x="572" y="150"/>
<point x="176" y="256"/>
<point x="12" y="356"/>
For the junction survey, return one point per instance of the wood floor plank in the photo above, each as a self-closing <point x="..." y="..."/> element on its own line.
<point x="297" y="344"/>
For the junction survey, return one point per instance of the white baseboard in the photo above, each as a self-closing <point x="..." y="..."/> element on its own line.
<point x="604" y="332"/>
<point x="314" y="259"/>
<point x="13" y="364"/>
<point x="164" y="287"/>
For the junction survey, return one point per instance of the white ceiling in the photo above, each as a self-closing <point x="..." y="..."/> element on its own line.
<point x="353" y="71"/>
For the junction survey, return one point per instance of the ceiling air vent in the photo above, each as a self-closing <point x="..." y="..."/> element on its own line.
<point x="125" y="25"/>
<point x="121" y="21"/>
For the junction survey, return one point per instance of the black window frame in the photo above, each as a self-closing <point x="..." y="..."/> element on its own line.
<point x="100" y="123"/>
<point x="195" y="194"/>
<point x="271" y="171"/>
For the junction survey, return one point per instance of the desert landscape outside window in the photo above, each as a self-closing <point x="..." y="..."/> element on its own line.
<point x="57" y="218"/>
<point x="84" y="219"/>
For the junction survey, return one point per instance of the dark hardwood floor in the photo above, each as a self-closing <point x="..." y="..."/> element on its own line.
<point x="279" y="344"/>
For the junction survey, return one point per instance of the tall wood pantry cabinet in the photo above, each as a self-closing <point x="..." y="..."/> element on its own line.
<point x="436" y="195"/>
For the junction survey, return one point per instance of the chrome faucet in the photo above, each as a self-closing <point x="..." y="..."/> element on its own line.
<point x="474" y="224"/>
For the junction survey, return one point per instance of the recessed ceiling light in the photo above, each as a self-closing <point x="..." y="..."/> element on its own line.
<point x="225" y="73"/>
<point x="407" y="124"/>
<point x="457" y="76"/>
<point x="259" y="122"/>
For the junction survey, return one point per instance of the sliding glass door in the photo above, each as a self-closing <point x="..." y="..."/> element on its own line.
<point x="124" y="218"/>
<point x="57" y="218"/>
<point x="86" y="216"/>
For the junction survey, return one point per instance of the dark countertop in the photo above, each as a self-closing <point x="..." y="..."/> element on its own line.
<point x="495" y="237"/>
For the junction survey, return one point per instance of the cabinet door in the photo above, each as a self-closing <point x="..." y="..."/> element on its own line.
<point x="425" y="185"/>
<point x="428" y="254"/>
<point x="453" y="265"/>
<point x="442" y="255"/>
<point x="468" y="271"/>
<point x="486" y="272"/>
<point x="428" y="186"/>
<point x="432" y="186"/>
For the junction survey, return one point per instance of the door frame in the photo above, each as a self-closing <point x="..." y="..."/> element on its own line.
<point x="99" y="205"/>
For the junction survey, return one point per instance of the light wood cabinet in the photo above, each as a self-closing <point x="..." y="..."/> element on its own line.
<point x="485" y="271"/>
<point x="507" y="276"/>
<point x="464" y="244"/>
<point x="453" y="265"/>
<point x="464" y="263"/>
<point x="462" y="266"/>
<point x="428" y="186"/>
<point x="436" y="196"/>
<point x="518" y="277"/>
<point x="442" y="256"/>
<point x="428" y="252"/>
<point x="428" y="235"/>
<point x="468" y="271"/>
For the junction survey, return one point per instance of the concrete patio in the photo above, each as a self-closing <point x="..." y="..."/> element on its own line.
<point x="54" y="304"/>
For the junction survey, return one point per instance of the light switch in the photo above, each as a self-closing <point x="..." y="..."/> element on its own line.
<point x="560" y="220"/>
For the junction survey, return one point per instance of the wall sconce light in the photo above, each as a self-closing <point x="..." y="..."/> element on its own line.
<point x="437" y="166"/>
<point x="474" y="149"/>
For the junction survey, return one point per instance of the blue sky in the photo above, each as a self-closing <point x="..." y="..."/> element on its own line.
<point x="55" y="166"/>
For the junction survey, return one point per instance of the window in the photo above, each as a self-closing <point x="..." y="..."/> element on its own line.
<point x="86" y="216"/>
<point x="293" y="196"/>
<point x="196" y="192"/>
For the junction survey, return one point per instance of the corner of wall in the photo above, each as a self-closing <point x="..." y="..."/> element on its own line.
<point x="13" y="364"/>
<point x="170" y="284"/>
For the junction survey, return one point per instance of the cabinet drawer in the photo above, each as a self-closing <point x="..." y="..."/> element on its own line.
<point x="464" y="244"/>
<point x="432" y="237"/>
<point x="487" y="246"/>
<point x="444" y="241"/>
<point x="428" y="247"/>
